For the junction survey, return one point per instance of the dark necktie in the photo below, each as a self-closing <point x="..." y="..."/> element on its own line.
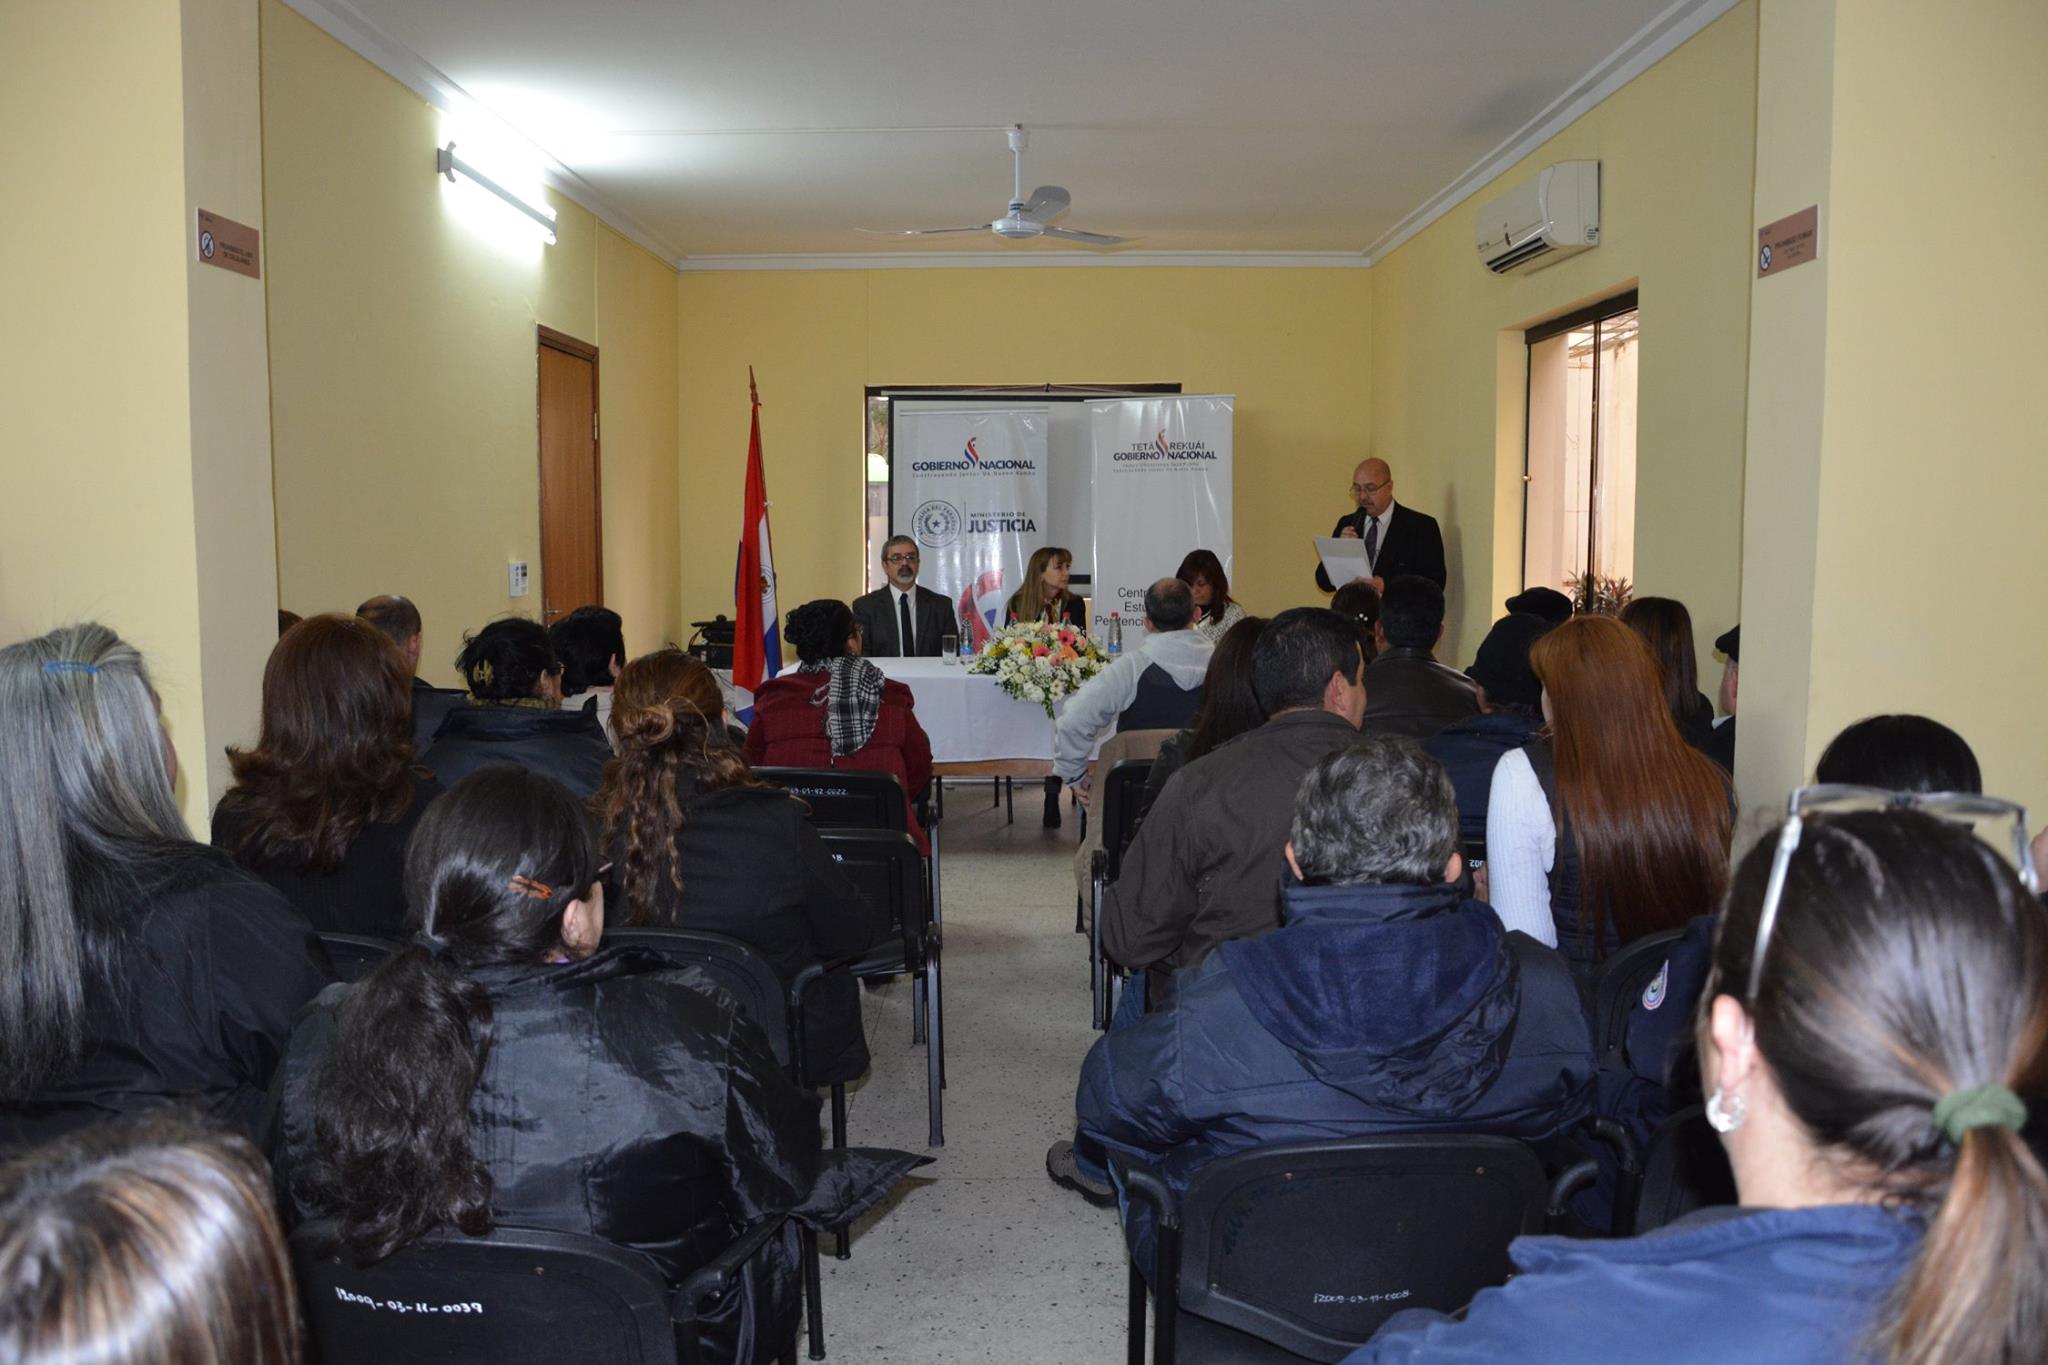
<point x="1372" y="540"/>
<point x="907" y="643"/>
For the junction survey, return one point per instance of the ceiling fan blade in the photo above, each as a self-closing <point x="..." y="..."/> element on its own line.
<point x="1047" y="203"/>
<point x="920" y="232"/>
<point x="1091" y="238"/>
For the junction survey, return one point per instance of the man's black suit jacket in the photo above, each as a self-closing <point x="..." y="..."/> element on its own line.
<point x="874" y="614"/>
<point x="1410" y="542"/>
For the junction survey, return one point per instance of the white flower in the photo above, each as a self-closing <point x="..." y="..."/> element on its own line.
<point x="1035" y="692"/>
<point x="1045" y="663"/>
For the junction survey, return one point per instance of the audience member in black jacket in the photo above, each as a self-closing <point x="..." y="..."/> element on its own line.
<point x="512" y="716"/>
<point x="1407" y="692"/>
<point x="399" y="621"/>
<point x="1510" y="715"/>
<point x="694" y="843"/>
<point x="323" y="805"/>
<point x="502" y="1069"/>
<point x="143" y="969"/>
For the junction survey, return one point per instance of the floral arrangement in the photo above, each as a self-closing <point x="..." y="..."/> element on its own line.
<point x="1039" y="662"/>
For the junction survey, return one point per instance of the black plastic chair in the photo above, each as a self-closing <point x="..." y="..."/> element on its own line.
<point x="885" y="866"/>
<point x="512" y="1294"/>
<point x="1622" y="980"/>
<point x="854" y="798"/>
<point x="752" y="980"/>
<point x="1123" y="791"/>
<point x="1301" y="1251"/>
<point x="1684" y="1168"/>
<point x="353" y="955"/>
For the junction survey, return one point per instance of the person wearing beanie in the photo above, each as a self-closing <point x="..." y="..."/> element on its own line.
<point x="1548" y="603"/>
<point x="1510" y="714"/>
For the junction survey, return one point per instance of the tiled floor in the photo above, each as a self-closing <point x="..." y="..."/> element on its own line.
<point x="979" y="1256"/>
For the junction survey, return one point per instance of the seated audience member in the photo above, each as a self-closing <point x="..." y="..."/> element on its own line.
<point x="1510" y="715"/>
<point x="1229" y="708"/>
<point x="1548" y="603"/>
<point x="696" y="842"/>
<point x="399" y="619"/>
<point x="1155" y="686"/>
<point x="838" y="711"/>
<point x="1901" y="754"/>
<point x="1411" y="693"/>
<point x="1215" y="610"/>
<point x="322" y="807"/>
<point x="506" y="1068"/>
<point x="140" y="1242"/>
<point x="142" y="968"/>
<point x="1044" y="596"/>
<point x="591" y="643"/>
<point x="1870" y="1048"/>
<point x="1611" y="826"/>
<point x="1359" y="602"/>
<point x="1386" y="1002"/>
<point x="513" y="714"/>
<point x="1206" y="865"/>
<point x="1666" y="627"/>
<point x="1721" y="743"/>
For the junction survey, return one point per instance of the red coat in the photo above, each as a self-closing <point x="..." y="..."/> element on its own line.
<point x="789" y="732"/>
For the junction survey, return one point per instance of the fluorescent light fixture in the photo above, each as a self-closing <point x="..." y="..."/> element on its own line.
<point x="451" y="165"/>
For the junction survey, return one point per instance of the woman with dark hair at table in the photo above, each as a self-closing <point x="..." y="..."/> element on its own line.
<point x="1044" y="596"/>
<point x="324" y="803"/>
<point x="838" y="711"/>
<point x="1215" y="612"/>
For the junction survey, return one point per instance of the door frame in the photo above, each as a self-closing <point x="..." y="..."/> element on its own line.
<point x="553" y="340"/>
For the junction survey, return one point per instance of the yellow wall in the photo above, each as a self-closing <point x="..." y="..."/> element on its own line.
<point x="1676" y="148"/>
<point x="137" y="412"/>
<point x="1290" y="343"/>
<point x="403" y="367"/>
<point x="1929" y="557"/>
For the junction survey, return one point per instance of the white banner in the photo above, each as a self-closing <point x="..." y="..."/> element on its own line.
<point x="1162" y="488"/>
<point x="969" y="485"/>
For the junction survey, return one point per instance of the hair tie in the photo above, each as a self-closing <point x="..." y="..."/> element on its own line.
<point x="1979" y="1106"/>
<point x="70" y="666"/>
<point x="540" y="891"/>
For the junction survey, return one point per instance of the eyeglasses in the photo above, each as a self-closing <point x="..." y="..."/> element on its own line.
<point x="900" y="558"/>
<point x="1961" y="807"/>
<point x="1369" y="488"/>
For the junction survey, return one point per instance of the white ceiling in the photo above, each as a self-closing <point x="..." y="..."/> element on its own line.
<point x="768" y="127"/>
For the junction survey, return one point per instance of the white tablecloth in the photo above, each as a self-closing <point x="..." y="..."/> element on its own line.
<point x="968" y="717"/>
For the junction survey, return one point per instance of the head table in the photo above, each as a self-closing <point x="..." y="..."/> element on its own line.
<point x="976" y="728"/>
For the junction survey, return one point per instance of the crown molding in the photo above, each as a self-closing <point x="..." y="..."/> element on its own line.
<point x="1651" y="43"/>
<point x="1029" y="260"/>
<point x="348" y="26"/>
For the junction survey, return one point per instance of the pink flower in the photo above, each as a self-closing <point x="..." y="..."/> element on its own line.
<point x="1039" y="649"/>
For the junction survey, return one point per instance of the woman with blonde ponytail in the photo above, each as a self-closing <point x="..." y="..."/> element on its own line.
<point x="696" y="842"/>
<point x="1874" y="1025"/>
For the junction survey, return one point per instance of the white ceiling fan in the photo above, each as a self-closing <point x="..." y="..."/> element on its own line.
<point x="1027" y="218"/>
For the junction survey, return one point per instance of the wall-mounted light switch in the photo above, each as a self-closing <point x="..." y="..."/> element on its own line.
<point x="515" y="578"/>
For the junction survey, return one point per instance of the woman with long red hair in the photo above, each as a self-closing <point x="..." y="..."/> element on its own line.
<point x="1608" y="826"/>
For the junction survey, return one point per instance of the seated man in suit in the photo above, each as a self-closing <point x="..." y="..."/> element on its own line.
<point x="902" y="620"/>
<point x="399" y="620"/>
<point x="1157" y="686"/>
<point x="1387" y="1001"/>
<point x="1398" y="540"/>
<point x="1412" y="694"/>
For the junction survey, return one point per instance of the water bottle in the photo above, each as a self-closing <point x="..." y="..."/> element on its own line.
<point x="1116" y="635"/>
<point x="966" y="635"/>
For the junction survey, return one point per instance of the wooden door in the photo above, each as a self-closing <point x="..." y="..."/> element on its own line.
<point x="571" y="521"/>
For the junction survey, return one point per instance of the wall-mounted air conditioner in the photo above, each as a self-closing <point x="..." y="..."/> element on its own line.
<point x="1553" y="214"/>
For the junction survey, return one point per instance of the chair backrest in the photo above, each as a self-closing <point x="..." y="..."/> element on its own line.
<point x="1128" y="744"/>
<point x="1123" y="791"/>
<point x="1311" y="1246"/>
<point x="353" y="955"/>
<point x="513" y="1294"/>
<point x="1685" y="1167"/>
<point x="730" y="963"/>
<point x="1623" y="978"/>
<point x="843" y="798"/>
<point x="886" y="867"/>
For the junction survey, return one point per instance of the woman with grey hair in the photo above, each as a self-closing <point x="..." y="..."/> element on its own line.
<point x="141" y="967"/>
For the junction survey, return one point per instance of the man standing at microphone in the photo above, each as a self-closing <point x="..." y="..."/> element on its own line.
<point x="1398" y="540"/>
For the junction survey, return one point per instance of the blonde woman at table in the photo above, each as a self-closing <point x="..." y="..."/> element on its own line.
<point x="1044" y="596"/>
<point x="838" y="711"/>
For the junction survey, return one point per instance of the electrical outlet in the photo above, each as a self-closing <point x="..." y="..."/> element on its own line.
<point x="515" y="578"/>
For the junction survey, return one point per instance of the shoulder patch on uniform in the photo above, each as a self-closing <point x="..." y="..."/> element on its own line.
<point x="1653" y="994"/>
